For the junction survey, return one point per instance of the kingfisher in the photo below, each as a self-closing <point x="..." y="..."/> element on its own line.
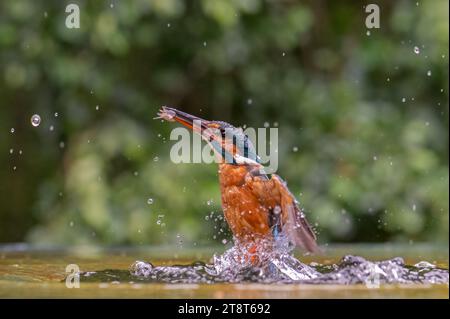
<point x="258" y="207"/>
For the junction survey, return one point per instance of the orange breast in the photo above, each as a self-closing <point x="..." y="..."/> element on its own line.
<point x="246" y="214"/>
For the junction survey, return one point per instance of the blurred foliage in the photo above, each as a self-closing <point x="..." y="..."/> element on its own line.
<point x="363" y="119"/>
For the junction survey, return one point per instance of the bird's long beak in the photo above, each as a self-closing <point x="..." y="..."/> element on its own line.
<point x="195" y="123"/>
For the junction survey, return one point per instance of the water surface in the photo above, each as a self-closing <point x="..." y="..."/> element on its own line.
<point x="34" y="273"/>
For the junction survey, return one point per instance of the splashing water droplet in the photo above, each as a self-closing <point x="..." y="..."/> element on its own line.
<point x="249" y="101"/>
<point x="429" y="72"/>
<point x="404" y="100"/>
<point x="12" y="130"/>
<point x="51" y="128"/>
<point x="97" y="107"/>
<point x="368" y="33"/>
<point x="155" y="159"/>
<point x="56" y="114"/>
<point x="35" y="120"/>
<point x="205" y="44"/>
<point x="416" y="50"/>
<point x="150" y="201"/>
<point x="11" y="151"/>
<point x="61" y="145"/>
<point x="71" y="224"/>
<point x="295" y="149"/>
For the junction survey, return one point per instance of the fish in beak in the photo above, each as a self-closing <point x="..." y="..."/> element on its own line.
<point x="192" y="122"/>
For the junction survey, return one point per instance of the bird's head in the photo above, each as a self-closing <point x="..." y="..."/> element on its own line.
<point x="230" y="144"/>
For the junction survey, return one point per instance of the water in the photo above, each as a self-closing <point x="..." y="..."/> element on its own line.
<point x="38" y="272"/>
<point x="268" y="262"/>
<point x="283" y="268"/>
<point x="35" y="120"/>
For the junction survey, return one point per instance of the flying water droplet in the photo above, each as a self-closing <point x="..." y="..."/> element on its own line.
<point x="295" y="149"/>
<point x="11" y="151"/>
<point x="416" y="50"/>
<point x="155" y="159"/>
<point x="404" y="100"/>
<point x="12" y="130"/>
<point x="150" y="201"/>
<point x="429" y="72"/>
<point x="35" y="120"/>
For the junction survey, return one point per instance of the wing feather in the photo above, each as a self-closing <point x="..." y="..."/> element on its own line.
<point x="293" y="221"/>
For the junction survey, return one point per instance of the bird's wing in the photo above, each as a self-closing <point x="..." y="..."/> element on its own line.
<point x="293" y="221"/>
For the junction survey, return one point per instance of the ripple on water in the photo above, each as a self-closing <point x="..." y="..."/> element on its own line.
<point x="277" y="266"/>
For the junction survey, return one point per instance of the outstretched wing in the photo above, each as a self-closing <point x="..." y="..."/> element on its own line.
<point x="293" y="221"/>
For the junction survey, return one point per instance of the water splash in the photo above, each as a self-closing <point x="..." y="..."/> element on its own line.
<point x="277" y="265"/>
<point x="35" y="120"/>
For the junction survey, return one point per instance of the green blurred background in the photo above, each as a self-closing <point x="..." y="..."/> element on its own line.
<point x="362" y="117"/>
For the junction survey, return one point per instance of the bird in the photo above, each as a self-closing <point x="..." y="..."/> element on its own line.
<point x="258" y="207"/>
